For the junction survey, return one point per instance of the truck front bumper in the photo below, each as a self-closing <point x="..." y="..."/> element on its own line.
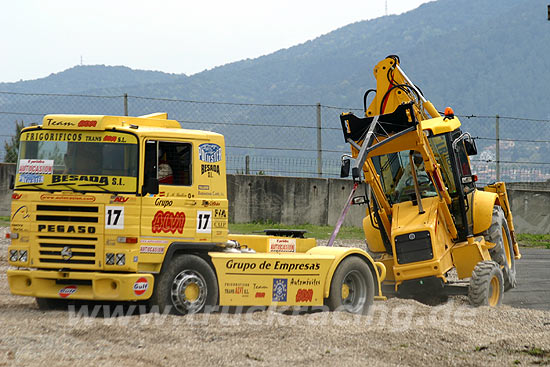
<point x="81" y="285"/>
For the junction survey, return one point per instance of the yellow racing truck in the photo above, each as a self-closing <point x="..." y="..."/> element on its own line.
<point x="118" y="208"/>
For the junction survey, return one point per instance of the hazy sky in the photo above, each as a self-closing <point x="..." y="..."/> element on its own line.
<point x="176" y="36"/>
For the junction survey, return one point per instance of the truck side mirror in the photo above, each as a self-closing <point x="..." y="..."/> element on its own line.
<point x="12" y="182"/>
<point x="470" y="145"/>
<point x="151" y="186"/>
<point x="344" y="169"/>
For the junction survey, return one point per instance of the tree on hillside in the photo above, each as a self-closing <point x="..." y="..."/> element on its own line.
<point x="11" y="147"/>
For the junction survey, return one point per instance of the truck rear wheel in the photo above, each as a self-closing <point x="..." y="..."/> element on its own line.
<point x="486" y="284"/>
<point x="352" y="287"/>
<point x="186" y="286"/>
<point x="503" y="252"/>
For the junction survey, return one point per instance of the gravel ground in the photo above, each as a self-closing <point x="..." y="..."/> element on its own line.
<point x="398" y="332"/>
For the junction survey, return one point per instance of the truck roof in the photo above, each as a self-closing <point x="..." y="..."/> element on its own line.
<point x="154" y="125"/>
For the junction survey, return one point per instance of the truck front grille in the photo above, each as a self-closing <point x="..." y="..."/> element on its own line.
<point x="413" y="247"/>
<point x="68" y="236"/>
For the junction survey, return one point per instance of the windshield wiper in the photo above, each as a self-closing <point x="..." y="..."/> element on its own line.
<point x="67" y="185"/>
<point x="95" y="185"/>
<point x="36" y="185"/>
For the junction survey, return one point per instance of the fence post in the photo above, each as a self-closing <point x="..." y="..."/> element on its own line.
<point x="125" y="104"/>
<point x="497" y="152"/>
<point x="247" y="165"/>
<point x="319" y="143"/>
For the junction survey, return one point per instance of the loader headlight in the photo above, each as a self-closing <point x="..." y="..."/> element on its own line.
<point x="23" y="256"/>
<point x="14" y="255"/>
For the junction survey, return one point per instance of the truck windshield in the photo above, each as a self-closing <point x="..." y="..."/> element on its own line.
<point x="84" y="161"/>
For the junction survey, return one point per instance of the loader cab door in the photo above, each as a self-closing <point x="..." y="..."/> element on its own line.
<point x="454" y="165"/>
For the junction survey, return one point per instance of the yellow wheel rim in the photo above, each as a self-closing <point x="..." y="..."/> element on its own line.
<point x="494" y="292"/>
<point x="345" y="291"/>
<point x="191" y="292"/>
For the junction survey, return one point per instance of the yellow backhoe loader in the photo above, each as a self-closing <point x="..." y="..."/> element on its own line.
<point x="434" y="230"/>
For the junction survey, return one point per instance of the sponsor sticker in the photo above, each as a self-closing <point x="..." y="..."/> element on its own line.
<point x="168" y="222"/>
<point x="210" y="153"/>
<point x="67" y="291"/>
<point x="67" y="198"/>
<point x="36" y="166"/>
<point x="282" y="245"/>
<point x="140" y="286"/>
<point x="304" y="295"/>
<point x="280" y="287"/>
<point x="31" y="178"/>
<point x="151" y="249"/>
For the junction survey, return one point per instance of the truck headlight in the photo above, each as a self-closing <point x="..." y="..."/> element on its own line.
<point x="23" y="256"/>
<point x="110" y="259"/>
<point x="120" y="259"/>
<point x="14" y="255"/>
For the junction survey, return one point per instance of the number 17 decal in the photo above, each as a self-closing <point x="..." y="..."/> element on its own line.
<point x="114" y="217"/>
<point x="204" y="221"/>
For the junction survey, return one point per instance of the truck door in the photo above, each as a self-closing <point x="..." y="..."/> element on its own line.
<point x="173" y="214"/>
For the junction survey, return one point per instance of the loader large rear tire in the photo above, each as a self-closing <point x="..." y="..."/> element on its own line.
<point x="352" y="287"/>
<point x="503" y="252"/>
<point x="486" y="284"/>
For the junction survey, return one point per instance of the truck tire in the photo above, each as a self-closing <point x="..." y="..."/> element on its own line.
<point x="503" y="252"/>
<point x="188" y="285"/>
<point x="486" y="284"/>
<point x="352" y="287"/>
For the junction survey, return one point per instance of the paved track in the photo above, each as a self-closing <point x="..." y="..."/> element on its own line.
<point x="533" y="275"/>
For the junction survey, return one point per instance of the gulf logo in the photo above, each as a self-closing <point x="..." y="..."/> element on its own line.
<point x="67" y="291"/>
<point x="140" y="286"/>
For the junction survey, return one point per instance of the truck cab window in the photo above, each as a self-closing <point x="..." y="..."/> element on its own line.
<point x="169" y="161"/>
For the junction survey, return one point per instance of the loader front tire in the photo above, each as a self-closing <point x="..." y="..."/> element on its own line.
<point x="352" y="287"/>
<point x="486" y="284"/>
<point x="503" y="252"/>
<point x="188" y="285"/>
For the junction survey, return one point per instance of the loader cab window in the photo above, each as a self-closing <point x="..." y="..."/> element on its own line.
<point x="169" y="162"/>
<point x="396" y="176"/>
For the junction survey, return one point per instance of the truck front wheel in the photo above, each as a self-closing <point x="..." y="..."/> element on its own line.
<point x="352" y="287"/>
<point x="186" y="286"/>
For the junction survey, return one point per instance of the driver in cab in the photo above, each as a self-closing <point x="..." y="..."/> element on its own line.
<point x="406" y="180"/>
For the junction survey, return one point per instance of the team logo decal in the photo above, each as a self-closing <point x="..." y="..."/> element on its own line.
<point x="140" y="286"/>
<point x="210" y="153"/>
<point x="279" y="290"/>
<point x="67" y="291"/>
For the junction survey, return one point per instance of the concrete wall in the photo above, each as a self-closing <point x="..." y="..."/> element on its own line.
<point x="319" y="201"/>
<point x="530" y="206"/>
<point x="290" y="200"/>
<point x="6" y="170"/>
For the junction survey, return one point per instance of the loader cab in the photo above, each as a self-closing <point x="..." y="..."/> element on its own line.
<point x="451" y="151"/>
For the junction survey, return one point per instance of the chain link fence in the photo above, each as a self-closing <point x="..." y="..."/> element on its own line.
<point x="292" y="140"/>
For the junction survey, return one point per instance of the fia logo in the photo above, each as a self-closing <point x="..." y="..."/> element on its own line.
<point x="279" y="290"/>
